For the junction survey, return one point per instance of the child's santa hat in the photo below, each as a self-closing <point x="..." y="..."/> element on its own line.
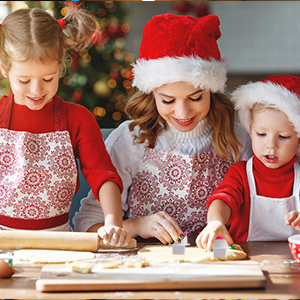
<point x="180" y="48"/>
<point x="281" y="92"/>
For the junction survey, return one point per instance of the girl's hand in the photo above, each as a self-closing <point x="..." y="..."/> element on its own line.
<point x="293" y="219"/>
<point x="206" y="238"/>
<point x="159" y="225"/>
<point x="114" y="236"/>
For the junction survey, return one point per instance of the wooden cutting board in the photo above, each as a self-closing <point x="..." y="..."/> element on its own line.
<point x="174" y="276"/>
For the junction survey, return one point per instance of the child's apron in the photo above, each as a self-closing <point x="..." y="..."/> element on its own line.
<point x="178" y="184"/>
<point x="267" y="214"/>
<point x="38" y="174"/>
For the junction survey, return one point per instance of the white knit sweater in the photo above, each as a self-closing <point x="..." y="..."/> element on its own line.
<point x="127" y="155"/>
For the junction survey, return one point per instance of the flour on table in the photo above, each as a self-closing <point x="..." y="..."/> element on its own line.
<point x="52" y="256"/>
<point x="192" y="254"/>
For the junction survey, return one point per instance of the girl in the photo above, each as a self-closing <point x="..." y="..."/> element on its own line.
<point x="41" y="135"/>
<point x="181" y="139"/>
<point x="257" y="196"/>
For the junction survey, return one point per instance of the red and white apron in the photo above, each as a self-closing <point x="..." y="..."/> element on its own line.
<point x="178" y="184"/>
<point x="38" y="174"/>
<point x="267" y="214"/>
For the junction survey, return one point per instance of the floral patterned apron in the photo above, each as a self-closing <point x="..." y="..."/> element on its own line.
<point x="267" y="214"/>
<point x="38" y="174"/>
<point x="178" y="184"/>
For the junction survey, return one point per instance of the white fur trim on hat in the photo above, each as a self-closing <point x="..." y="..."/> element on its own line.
<point x="270" y="94"/>
<point x="153" y="73"/>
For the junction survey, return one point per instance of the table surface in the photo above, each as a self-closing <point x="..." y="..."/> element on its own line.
<point x="274" y="259"/>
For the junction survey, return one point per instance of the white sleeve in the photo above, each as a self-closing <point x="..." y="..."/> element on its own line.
<point x="243" y="136"/>
<point x="126" y="156"/>
<point x="89" y="213"/>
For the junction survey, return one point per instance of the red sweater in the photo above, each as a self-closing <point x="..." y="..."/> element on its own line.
<point x="234" y="190"/>
<point x="86" y="138"/>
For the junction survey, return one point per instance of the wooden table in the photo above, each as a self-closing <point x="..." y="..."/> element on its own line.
<point x="275" y="260"/>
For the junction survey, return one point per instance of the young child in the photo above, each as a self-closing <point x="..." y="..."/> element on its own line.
<point x="181" y="139"/>
<point x="257" y="195"/>
<point x="41" y="135"/>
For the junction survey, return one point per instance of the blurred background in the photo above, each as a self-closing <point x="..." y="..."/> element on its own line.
<point x="259" y="38"/>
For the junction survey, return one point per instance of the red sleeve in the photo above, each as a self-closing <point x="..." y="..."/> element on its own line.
<point x="234" y="190"/>
<point x="89" y="147"/>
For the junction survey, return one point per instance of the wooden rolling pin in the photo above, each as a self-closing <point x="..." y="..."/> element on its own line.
<point x="54" y="240"/>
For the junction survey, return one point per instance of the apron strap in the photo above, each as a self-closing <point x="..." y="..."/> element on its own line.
<point x="5" y="112"/>
<point x="250" y="176"/>
<point x="296" y="186"/>
<point x="60" y="116"/>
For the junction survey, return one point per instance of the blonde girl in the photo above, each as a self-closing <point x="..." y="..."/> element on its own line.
<point x="41" y="135"/>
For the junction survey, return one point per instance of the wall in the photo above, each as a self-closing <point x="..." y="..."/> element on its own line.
<point x="259" y="38"/>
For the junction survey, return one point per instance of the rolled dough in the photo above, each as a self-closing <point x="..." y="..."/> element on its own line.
<point x="52" y="256"/>
<point x="192" y="254"/>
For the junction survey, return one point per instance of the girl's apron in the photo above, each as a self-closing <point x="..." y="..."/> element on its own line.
<point x="38" y="174"/>
<point x="178" y="184"/>
<point x="267" y="214"/>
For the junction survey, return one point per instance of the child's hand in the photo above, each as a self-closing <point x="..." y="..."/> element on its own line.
<point x="293" y="219"/>
<point x="208" y="235"/>
<point x="114" y="236"/>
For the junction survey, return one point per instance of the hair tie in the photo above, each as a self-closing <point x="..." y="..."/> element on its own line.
<point x="61" y="23"/>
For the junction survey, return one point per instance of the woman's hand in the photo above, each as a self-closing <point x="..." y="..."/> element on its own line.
<point x="208" y="235"/>
<point x="159" y="225"/>
<point x="114" y="236"/>
<point x="293" y="219"/>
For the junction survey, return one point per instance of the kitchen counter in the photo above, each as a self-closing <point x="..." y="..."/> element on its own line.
<point x="274" y="259"/>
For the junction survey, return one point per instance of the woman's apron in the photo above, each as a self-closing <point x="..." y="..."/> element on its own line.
<point x="178" y="184"/>
<point x="267" y="214"/>
<point x="38" y="174"/>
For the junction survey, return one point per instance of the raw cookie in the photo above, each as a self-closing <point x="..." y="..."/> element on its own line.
<point x="82" y="267"/>
<point x="137" y="264"/>
<point x="192" y="254"/>
<point x="109" y="264"/>
<point x="52" y="256"/>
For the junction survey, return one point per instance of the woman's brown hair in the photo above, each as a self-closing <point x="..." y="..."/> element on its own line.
<point x="141" y="108"/>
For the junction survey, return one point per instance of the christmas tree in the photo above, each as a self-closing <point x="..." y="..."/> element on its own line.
<point x="98" y="77"/>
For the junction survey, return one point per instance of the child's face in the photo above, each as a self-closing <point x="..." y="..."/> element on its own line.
<point x="33" y="83"/>
<point x="182" y="105"/>
<point x="274" y="140"/>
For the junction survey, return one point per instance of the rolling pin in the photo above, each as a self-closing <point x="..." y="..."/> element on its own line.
<point x="54" y="240"/>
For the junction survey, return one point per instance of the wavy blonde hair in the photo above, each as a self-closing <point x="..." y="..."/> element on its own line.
<point x="33" y="34"/>
<point x="141" y="108"/>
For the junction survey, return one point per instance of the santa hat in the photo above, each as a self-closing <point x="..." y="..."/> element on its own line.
<point x="281" y="92"/>
<point x="180" y="48"/>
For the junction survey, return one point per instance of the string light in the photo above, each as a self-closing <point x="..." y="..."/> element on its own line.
<point x="99" y="111"/>
<point x="116" y="115"/>
<point x="111" y="83"/>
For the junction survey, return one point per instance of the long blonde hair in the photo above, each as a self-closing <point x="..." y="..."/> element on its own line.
<point x="33" y="34"/>
<point x="141" y="108"/>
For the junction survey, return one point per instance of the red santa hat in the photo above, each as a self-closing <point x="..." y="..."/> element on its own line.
<point x="281" y="92"/>
<point x="180" y="48"/>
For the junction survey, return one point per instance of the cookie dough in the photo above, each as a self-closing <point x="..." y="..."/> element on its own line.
<point x="192" y="254"/>
<point x="52" y="256"/>
<point x="137" y="264"/>
<point x="109" y="264"/>
<point x="82" y="267"/>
